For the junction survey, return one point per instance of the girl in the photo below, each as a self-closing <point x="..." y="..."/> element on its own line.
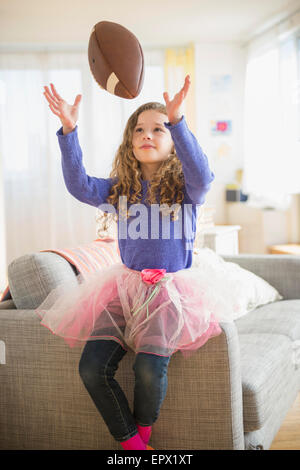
<point x="152" y="302"/>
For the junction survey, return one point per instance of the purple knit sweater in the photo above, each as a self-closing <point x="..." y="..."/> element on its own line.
<point x="147" y="239"/>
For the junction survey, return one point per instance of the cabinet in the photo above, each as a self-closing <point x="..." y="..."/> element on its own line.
<point x="260" y="228"/>
<point x="223" y="239"/>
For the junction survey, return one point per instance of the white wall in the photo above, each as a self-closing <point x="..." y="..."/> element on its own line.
<point x="3" y="279"/>
<point x="224" y="153"/>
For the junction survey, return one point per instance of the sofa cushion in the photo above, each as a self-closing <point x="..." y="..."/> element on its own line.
<point x="246" y="288"/>
<point x="268" y="373"/>
<point x="282" y="317"/>
<point x="31" y="277"/>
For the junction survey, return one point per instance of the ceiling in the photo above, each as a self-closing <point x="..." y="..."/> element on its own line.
<point x="154" y="22"/>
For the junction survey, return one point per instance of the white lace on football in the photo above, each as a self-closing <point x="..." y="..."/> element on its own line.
<point x="111" y="83"/>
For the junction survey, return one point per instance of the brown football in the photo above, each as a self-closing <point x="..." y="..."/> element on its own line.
<point x="116" y="59"/>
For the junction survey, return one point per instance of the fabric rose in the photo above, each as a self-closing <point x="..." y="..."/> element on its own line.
<point x="152" y="276"/>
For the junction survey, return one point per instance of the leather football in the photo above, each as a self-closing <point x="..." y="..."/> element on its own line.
<point x="116" y="59"/>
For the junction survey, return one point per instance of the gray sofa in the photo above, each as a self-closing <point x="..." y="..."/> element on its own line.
<point x="232" y="394"/>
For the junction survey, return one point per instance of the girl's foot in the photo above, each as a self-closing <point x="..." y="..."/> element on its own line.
<point x="145" y="432"/>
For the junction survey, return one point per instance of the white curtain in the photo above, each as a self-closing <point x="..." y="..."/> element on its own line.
<point x="40" y="213"/>
<point x="272" y="136"/>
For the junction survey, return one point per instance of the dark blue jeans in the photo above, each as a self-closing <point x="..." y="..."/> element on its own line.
<point x="97" y="367"/>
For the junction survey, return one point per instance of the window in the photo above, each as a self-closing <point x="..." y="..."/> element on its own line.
<point x="271" y="143"/>
<point x="24" y="115"/>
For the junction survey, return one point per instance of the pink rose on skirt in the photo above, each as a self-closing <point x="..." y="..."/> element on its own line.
<point x="152" y="276"/>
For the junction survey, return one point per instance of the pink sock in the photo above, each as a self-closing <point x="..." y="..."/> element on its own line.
<point x="134" y="443"/>
<point x="145" y="432"/>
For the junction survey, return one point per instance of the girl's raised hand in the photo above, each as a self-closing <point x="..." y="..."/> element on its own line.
<point x="67" y="113"/>
<point x="173" y="106"/>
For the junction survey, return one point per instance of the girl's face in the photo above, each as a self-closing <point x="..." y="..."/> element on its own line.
<point x="152" y="142"/>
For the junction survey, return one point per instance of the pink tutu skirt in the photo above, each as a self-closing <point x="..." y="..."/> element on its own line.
<point x="149" y="311"/>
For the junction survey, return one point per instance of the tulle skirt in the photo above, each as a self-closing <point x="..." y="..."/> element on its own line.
<point x="178" y="312"/>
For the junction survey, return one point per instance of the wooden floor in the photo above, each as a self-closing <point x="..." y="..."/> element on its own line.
<point x="288" y="436"/>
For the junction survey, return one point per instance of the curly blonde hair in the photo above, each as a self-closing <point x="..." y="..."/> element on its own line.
<point x="168" y="180"/>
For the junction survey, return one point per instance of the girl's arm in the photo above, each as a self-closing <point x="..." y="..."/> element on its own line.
<point x="88" y="189"/>
<point x="197" y="173"/>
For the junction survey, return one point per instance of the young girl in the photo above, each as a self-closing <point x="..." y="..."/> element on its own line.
<point x="152" y="302"/>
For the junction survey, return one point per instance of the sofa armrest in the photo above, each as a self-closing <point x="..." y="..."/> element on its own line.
<point x="32" y="276"/>
<point x="7" y="305"/>
<point x="281" y="271"/>
<point x="39" y="385"/>
<point x="227" y="349"/>
<point x="213" y="391"/>
<point x="205" y="389"/>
